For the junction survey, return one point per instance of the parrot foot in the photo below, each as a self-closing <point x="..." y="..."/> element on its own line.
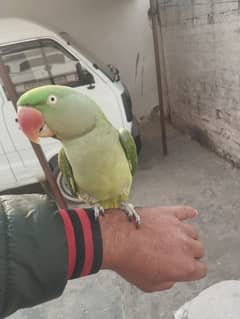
<point x="98" y="210"/>
<point x="131" y="213"/>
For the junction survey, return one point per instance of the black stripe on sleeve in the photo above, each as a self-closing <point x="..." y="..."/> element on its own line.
<point x="80" y="247"/>
<point x="97" y="241"/>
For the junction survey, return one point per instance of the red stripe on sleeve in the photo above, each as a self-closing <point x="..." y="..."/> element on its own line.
<point x="88" y="241"/>
<point x="70" y="241"/>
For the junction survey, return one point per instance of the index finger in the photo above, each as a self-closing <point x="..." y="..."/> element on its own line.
<point x="185" y="212"/>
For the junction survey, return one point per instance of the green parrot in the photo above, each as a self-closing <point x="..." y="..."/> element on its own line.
<point x="97" y="160"/>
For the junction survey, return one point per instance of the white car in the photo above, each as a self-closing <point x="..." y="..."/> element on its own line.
<point x="36" y="56"/>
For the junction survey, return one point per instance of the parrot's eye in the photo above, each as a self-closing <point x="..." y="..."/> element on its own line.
<point x="52" y="99"/>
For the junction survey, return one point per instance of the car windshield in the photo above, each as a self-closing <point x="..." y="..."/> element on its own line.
<point x="41" y="62"/>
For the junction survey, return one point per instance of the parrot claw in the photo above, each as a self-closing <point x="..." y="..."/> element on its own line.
<point x="131" y="213"/>
<point x="98" y="210"/>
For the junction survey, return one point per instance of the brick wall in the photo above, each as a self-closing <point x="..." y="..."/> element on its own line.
<point x="202" y="61"/>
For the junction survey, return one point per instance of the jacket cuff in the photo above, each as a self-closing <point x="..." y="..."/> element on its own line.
<point x="33" y="252"/>
<point x="84" y="239"/>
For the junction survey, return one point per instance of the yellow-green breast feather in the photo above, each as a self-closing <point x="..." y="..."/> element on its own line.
<point x="101" y="166"/>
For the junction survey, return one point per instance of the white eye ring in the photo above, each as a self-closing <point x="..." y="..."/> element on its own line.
<point x="52" y="99"/>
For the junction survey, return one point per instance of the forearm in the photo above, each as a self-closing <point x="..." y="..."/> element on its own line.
<point x="33" y="252"/>
<point x="42" y="248"/>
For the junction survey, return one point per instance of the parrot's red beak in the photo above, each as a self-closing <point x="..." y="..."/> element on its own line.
<point x="32" y="124"/>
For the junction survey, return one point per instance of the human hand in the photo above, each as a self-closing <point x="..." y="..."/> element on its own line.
<point x="163" y="251"/>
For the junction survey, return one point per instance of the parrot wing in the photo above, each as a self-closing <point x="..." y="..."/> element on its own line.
<point x="67" y="172"/>
<point x="129" y="148"/>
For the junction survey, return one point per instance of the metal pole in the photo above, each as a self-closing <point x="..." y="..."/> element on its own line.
<point x="12" y="95"/>
<point x="153" y="12"/>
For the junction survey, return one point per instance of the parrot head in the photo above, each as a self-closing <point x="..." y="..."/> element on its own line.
<point x="55" y="111"/>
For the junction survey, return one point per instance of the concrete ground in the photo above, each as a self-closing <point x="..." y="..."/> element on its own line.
<point x="190" y="175"/>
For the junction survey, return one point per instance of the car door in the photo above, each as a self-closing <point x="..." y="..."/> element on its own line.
<point x="19" y="163"/>
<point x="8" y="178"/>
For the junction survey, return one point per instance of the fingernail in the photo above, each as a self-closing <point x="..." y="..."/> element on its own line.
<point x="196" y="212"/>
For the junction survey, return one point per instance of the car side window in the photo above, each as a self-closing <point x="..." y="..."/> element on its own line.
<point x="41" y="62"/>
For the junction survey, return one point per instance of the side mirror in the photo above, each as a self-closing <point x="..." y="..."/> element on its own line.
<point x="115" y="71"/>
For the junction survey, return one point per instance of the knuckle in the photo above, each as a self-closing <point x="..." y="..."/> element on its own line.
<point x="204" y="271"/>
<point x="202" y="249"/>
<point x="186" y="244"/>
<point x="190" y="208"/>
<point x="198" y="249"/>
<point x="191" y="268"/>
<point x="148" y="289"/>
<point x="194" y="229"/>
<point x="191" y="230"/>
<point x="187" y="209"/>
<point x="167" y="286"/>
<point x="154" y="288"/>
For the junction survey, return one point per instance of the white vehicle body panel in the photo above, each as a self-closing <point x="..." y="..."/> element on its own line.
<point x="18" y="163"/>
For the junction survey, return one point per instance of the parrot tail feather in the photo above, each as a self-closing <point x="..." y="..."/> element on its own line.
<point x="110" y="203"/>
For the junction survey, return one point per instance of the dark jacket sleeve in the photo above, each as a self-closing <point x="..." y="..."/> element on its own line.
<point x="33" y="252"/>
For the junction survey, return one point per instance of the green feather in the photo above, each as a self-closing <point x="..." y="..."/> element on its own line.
<point x="130" y="149"/>
<point x="67" y="172"/>
<point x="97" y="161"/>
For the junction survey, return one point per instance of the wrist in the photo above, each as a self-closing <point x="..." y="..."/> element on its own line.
<point x="116" y="232"/>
